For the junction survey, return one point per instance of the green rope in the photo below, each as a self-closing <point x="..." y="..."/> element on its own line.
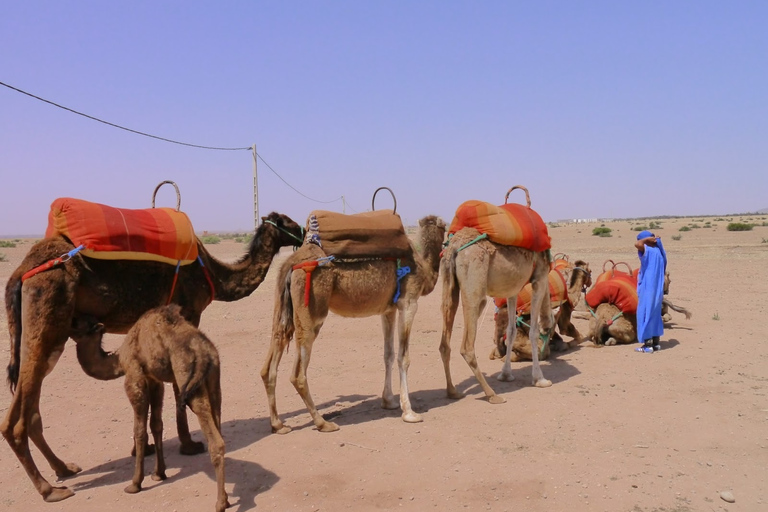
<point x="480" y="237"/>
<point x="301" y="241"/>
<point x="543" y="337"/>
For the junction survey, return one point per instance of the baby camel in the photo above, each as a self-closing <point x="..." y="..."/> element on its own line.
<point x="161" y="347"/>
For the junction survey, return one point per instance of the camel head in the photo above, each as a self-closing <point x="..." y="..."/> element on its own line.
<point x="86" y="328"/>
<point x="584" y="266"/>
<point x="289" y="233"/>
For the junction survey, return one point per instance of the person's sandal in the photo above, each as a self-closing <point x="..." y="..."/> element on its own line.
<point x="647" y="350"/>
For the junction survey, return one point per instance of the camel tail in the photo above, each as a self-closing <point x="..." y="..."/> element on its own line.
<point x="679" y="309"/>
<point x="196" y="377"/>
<point x="600" y="334"/>
<point x="283" y="320"/>
<point x="13" y="313"/>
<point x="449" y="273"/>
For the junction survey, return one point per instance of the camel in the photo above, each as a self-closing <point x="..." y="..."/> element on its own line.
<point x="161" y="347"/>
<point x="579" y="277"/>
<point x="40" y="314"/>
<point x="486" y="268"/>
<point x="352" y="288"/>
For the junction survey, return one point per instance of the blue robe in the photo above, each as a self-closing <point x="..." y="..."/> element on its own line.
<point x="650" y="291"/>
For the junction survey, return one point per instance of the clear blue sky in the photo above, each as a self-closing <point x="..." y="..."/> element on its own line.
<point x="600" y="108"/>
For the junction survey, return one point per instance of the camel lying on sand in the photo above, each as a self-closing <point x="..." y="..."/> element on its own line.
<point x="485" y="268"/>
<point x="161" y="347"/>
<point x="116" y="293"/>
<point x="354" y="288"/>
<point x="578" y="277"/>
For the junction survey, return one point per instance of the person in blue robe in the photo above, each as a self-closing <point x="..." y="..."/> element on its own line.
<point x="650" y="290"/>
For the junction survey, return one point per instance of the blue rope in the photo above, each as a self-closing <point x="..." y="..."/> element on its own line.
<point x="401" y="273"/>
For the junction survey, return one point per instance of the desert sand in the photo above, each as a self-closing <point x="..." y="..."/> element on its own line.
<point x="617" y="431"/>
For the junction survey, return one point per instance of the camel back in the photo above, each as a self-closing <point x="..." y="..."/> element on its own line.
<point x="375" y="234"/>
<point x="154" y="234"/>
<point x="558" y="294"/>
<point x="620" y="290"/>
<point x="508" y="224"/>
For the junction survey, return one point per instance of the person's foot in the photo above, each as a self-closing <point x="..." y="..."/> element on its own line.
<point x="644" y="348"/>
<point x="656" y="348"/>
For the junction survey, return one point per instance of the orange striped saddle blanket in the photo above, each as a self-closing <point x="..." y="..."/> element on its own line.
<point x="558" y="294"/>
<point x="619" y="290"/>
<point x="508" y="224"/>
<point x="155" y="234"/>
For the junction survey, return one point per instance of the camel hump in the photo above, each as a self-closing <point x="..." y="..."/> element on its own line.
<point x="369" y="234"/>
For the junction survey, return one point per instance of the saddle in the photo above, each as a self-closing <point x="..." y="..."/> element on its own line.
<point x="154" y="234"/>
<point x="619" y="290"/>
<point x="558" y="294"/>
<point x="375" y="234"/>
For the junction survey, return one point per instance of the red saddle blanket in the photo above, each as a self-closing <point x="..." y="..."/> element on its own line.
<point x="558" y="294"/>
<point x="156" y="234"/>
<point x="619" y="290"/>
<point x="508" y="224"/>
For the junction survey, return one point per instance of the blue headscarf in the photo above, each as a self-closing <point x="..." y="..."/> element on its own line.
<point x="646" y="234"/>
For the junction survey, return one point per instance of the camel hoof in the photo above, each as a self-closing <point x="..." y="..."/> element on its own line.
<point x="496" y="399"/>
<point x="505" y="377"/>
<point x="58" y="494"/>
<point x="221" y="507"/>
<point x="158" y="477"/>
<point x="72" y="469"/>
<point x="192" y="448"/>
<point x="455" y="395"/>
<point x="328" y="426"/>
<point x="412" y="417"/>
<point x="495" y="354"/>
<point x="610" y="342"/>
<point x="283" y="429"/>
<point x="542" y="383"/>
<point x="132" y="489"/>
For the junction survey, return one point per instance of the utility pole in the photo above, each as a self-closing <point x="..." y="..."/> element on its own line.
<point x="255" y="191"/>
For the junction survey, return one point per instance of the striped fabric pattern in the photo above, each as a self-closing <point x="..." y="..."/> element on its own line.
<point x="508" y="224"/>
<point x="558" y="294"/>
<point x="619" y="290"/>
<point x="154" y="234"/>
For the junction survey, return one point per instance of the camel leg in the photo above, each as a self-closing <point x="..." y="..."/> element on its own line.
<point x="269" y="378"/>
<point x="156" y="426"/>
<point x="304" y="340"/>
<point x="471" y="313"/>
<point x="405" y="321"/>
<point x="188" y="446"/>
<point x="137" y="390"/>
<point x="388" y="327"/>
<point x="450" y="306"/>
<point x="204" y="405"/>
<point x="506" y="369"/>
<point x="540" y="303"/>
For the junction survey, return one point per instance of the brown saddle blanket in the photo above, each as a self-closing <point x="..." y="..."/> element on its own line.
<point x="376" y="234"/>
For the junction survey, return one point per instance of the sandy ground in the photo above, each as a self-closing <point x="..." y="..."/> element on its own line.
<point x="617" y="431"/>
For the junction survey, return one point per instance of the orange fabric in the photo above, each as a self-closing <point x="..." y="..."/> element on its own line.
<point x="509" y="224"/>
<point x="157" y="234"/>
<point x="558" y="293"/>
<point x="619" y="290"/>
<point x="560" y="264"/>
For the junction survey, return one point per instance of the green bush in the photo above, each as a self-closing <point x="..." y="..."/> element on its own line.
<point x="656" y="225"/>
<point x="7" y="243"/>
<point x="210" y="240"/>
<point x="640" y="228"/>
<point x="684" y="228"/>
<point x="3" y="257"/>
<point x="695" y="226"/>
<point x="601" y="231"/>
<point x="739" y="226"/>
<point x="677" y="237"/>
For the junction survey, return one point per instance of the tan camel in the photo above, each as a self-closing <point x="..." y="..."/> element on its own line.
<point x="578" y="277"/>
<point x="481" y="269"/>
<point x="116" y="293"/>
<point x="355" y="288"/>
<point x="161" y="347"/>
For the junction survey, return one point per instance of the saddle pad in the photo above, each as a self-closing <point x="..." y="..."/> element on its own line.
<point x="508" y="224"/>
<point x="378" y="233"/>
<point x="620" y="290"/>
<point x="155" y="234"/>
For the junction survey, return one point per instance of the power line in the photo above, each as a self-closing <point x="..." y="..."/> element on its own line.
<point x="118" y="126"/>
<point x="294" y="188"/>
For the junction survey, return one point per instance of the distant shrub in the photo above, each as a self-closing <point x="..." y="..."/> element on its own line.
<point x="605" y="234"/>
<point x="601" y="231"/>
<point x="640" y="228"/>
<point x="7" y="243"/>
<point x="739" y="226"/>
<point x="3" y="257"/>
<point x="677" y="237"/>
<point x="245" y="239"/>
<point x="656" y="225"/>
<point x="765" y="241"/>
<point x="695" y="226"/>
<point x="684" y="228"/>
<point x="210" y="240"/>
<point x="764" y="223"/>
<point x="719" y="219"/>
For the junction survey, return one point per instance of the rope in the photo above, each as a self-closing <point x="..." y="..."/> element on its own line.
<point x="52" y="263"/>
<point x="479" y="237"/>
<point x="308" y="267"/>
<point x="122" y="127"/>
<point x="401" y="273"/>
<point x="301" y="240"/>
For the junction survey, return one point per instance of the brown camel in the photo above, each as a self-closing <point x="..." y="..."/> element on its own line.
<point x="161" y="347"/>
<point x="354" y="288"/>
<point x="116" y="293"/>
<point x="579" y="277"/>
<point x="486" y="268"/>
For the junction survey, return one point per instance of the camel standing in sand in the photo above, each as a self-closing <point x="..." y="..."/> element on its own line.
<point x="162" y="347"/>
<point x="485" y="268"/>
<point x="355" y="288"/>
<point x="578" y="277"/>
<point x="116" y="293"/>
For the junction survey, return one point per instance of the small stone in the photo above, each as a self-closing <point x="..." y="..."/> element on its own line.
<point x="727" y="496"/>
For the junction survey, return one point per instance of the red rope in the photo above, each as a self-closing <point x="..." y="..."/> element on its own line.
<point x="307" y="267"/>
